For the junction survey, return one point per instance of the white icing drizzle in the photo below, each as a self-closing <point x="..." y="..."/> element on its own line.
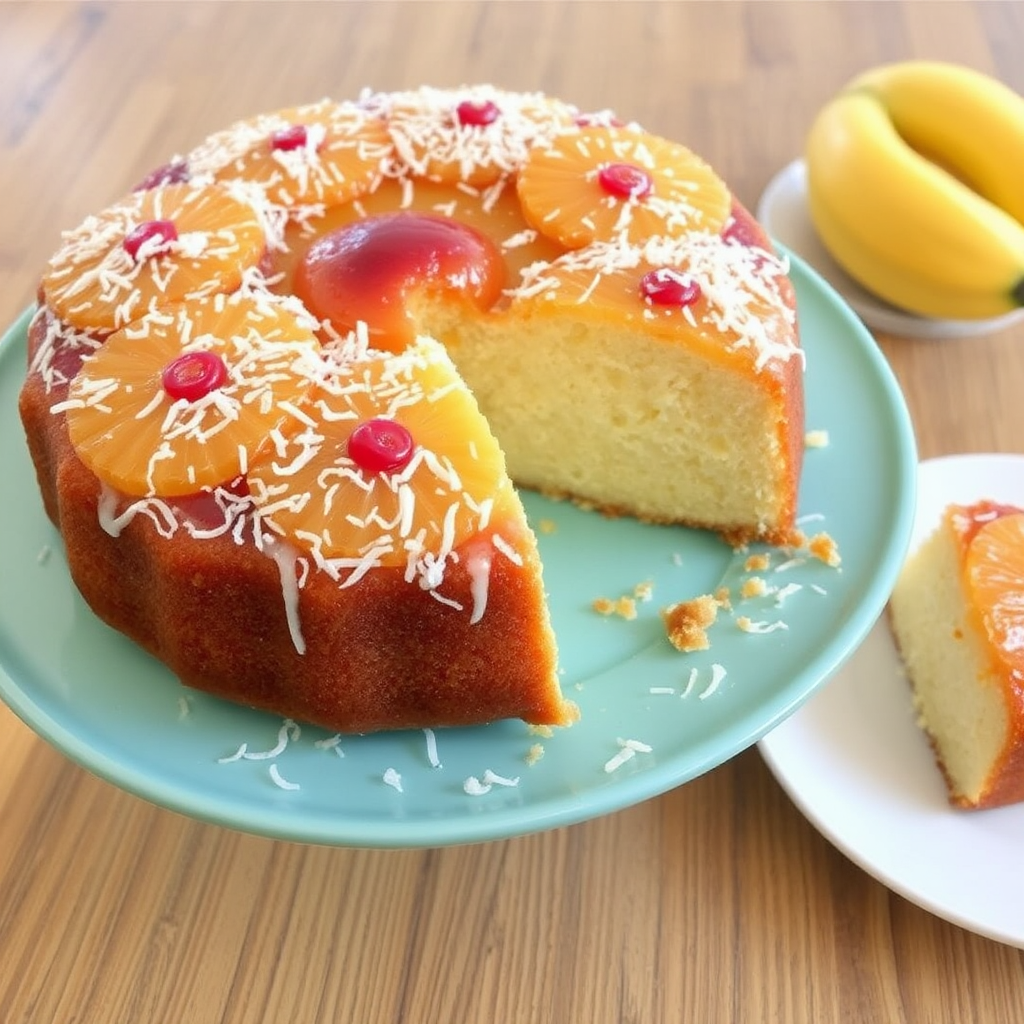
<point x="113" y="522"/>
<point x="478" y="565"/>
<point x="288" y="559"/>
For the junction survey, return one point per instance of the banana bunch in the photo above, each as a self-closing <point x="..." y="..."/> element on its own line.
<point x="915" y="177"/>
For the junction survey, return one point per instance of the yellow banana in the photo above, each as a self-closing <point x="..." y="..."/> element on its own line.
<point x="967" y="122"/>
<point x="915" y="207"/>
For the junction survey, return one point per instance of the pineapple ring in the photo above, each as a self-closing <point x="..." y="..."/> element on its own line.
<point x="318" y="154"/>
<point x="130" y="431"/>
<point x="315" y="492"/>
<point x="992" y="575"/>
<point x="676" y="286"/>
<point x="95" y="283"/>
<point x="474" y="136"/>
<point x="674" y="191"/>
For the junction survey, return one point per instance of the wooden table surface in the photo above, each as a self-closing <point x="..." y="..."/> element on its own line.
<point x="715" y="902"/>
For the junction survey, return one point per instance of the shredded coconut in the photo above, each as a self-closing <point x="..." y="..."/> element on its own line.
<point x="280" y="781"/>
<point x="478" y="787"/>
<point x="628" y="749"/>
<point x="432" y="757"/>
<point x="288" y="731"/>
<point x="718" y="673"/>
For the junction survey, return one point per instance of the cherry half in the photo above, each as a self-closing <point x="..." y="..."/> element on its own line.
<point x="625" y="181"/>
<point x="598" y="120"/>
<point x="164" y="230"/>
<point x="742" y="229"/>
<point x="193" y="375"/>
<point x="667" y="287"/>
<point x="172" y="173"/>
<point x="380" y="446"/>
<point x="292" y="137"/>
<point x="477" y="114"/>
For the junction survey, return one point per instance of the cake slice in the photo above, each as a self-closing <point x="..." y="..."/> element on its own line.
<point x="957" y="613"/>
<point x="409" y="596"/>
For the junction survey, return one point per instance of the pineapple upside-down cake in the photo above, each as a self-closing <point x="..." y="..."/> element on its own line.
<point x="277" y="395"/>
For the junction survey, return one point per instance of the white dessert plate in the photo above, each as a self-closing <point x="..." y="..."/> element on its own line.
<point x="782" y="209"/>
<point x="856" y="764"/>
<point x="99" y="699"/>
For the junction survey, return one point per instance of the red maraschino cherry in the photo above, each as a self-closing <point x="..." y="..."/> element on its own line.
<point x="668" y="287"/>
<point x="292" y="137"/>
<point x="139" y="236"/>
<point x="193" y="375"/>
<point x="597" y="120"/>
<point x="166" y="174"/>
<point x="380" y="446"/>
<point x="477" y="113"/>
<point x="625" y="181"/>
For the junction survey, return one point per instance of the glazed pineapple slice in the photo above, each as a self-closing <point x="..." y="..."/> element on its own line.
<point x="728" y="299"/>
<point x="399" y="470"/>
<point x="184" y="399"/>
<point x="318" y="154"/>
<point x="598" y="182"/>
<point x="994" y="579"/>
<point x="473" y="136"/>
<point x="154" y="247"/>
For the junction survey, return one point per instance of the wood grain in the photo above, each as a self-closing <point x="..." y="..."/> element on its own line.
<point x="717" y="901"/>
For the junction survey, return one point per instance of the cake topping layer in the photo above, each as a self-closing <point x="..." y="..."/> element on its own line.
<point x="992" y="551"/>
<point x="318" y="492"/>
<point x="191" y="391"/>
<point x="727" y="294"/>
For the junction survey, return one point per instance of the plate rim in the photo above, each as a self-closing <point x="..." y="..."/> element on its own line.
<point x="771" y="747"/>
